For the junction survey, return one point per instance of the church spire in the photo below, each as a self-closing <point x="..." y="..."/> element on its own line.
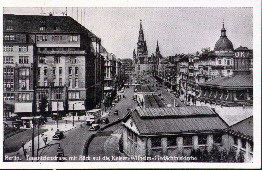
<point x="134" y="53"/>
<point x="157" y="47"/>
<point x="141" y="32"/>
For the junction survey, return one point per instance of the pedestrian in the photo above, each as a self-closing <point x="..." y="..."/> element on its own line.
<point x="24" y="150"/>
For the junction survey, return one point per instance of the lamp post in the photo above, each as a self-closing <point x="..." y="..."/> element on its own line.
<point x="74" y="111"/>
<point x="57" y="116"/>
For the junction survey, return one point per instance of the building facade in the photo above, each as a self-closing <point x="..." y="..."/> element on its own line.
<point x="65" y="53"/>
<point x="163" y="132"/>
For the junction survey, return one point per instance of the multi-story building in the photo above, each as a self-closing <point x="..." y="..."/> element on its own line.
<point x="128" y="69"/>
<point x="205" y="66"/>
<point x="18" y="56"/>
<point x="110" y="74"/>
<point x="69" y="66"/>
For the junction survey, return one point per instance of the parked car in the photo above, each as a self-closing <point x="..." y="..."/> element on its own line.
<point x="58" y="135"/>
<point x="94" y="127"/>
<point x="116" y="112"/>
<point x="105" y="120"/>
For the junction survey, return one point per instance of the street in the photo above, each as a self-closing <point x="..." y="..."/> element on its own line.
<point x="108" y="145"/>
<point x="75" y="139"/>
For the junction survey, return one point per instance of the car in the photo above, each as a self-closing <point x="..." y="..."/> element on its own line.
<point x="116" y="112"/>
<point x="94" y="127"/>
<point x="105" y="120"/>
<point x="58" y="135"/>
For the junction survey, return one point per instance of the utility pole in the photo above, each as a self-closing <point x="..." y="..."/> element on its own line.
<point x="74" y="114"/>
<point x="57" y="115"/>
<point x="34" y="109"/>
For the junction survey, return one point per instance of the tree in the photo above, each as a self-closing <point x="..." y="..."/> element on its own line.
<point x="43" y="104"/>
<point x="231" y="155"/>
<point x="215" y="154"/>
<point x="205" y="156"/>
<point x="223" y="156"/>
<point x="199" y="155"/>
<point x="241" y="157"/>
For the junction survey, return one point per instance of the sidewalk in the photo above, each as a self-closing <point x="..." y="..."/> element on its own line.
<point x="51" y="127"/>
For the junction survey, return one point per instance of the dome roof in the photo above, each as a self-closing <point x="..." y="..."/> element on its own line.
<point x="223" y="44"/>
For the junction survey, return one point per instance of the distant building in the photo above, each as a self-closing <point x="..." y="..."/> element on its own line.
<point x="110" y="74"/>
<point x="69" y="72"/>
<point x="172" y="131"/>
<point x="128" y="66"/>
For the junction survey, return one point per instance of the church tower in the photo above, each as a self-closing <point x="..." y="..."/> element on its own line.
<point x="142" y="64"/>
<point x="141" y="44"/>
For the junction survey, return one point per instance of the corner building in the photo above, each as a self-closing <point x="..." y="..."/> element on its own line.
<point x="69" y="64"/>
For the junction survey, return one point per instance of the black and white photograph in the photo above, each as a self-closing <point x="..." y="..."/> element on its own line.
<point x="129" y="84"/>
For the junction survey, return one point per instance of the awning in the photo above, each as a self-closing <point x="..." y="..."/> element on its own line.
<point x="30" y="118"/>
<point x="78" y="105"/>
<point x="93" y="110"/>
<point x="108" y="88"/>
<point x="23" y="107"/>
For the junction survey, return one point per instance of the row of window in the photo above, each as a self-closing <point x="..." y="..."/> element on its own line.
<point x="74" y="95"/>
<point x="9" y="37"/>
<point x="10" y="60"/>
<point x="60" y="82"/>
<point x="23" y="96"/>
<point x="70" y="71"/>
<point x="187" y="140"/>
<point x="56" y="38"/>
<point x="71" y="83"/>
<point x="226" y="62"/>
<point x="8" y="71"/>
<point x="10" y="48"/>
<point x="60" y="71"/>
<point x="9" y="96"/>
<point x="71" y="38"/>
<point x="57" y="60"/>
<point x="23" y="59"/>
<point x="8" y="84"/>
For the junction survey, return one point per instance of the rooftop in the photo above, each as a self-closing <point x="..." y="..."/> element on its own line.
<point x="236" y="81"/>
<point x="155" y="121"/>
<point x="51" y="24"/>
<point x="152" y="101"/>
<point x="243" y="128"/>
<point x="233" y="115"/>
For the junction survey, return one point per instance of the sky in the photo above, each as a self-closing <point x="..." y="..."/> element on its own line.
<point x="178" y="30"/>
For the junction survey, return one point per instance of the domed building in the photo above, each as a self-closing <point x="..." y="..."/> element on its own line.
<point x="223" y="44"/>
